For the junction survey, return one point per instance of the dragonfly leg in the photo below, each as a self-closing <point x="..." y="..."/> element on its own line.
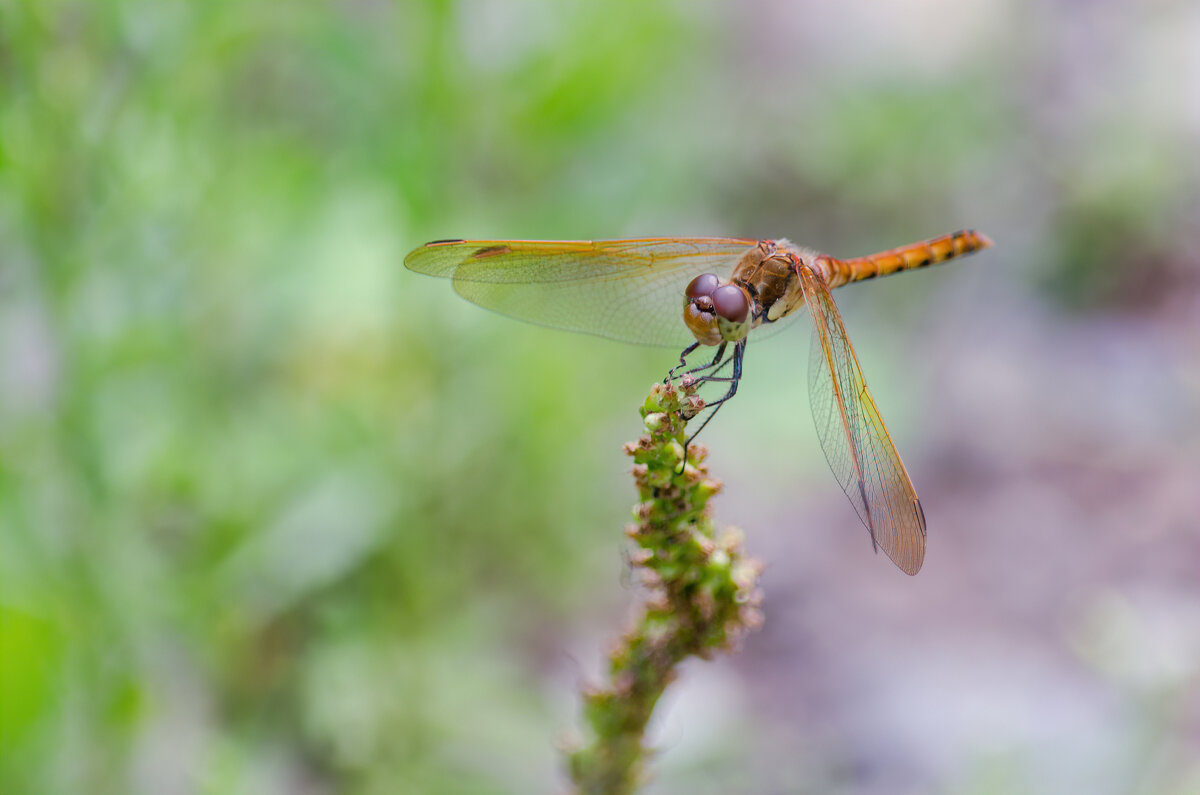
<point x="713" y="376"/>
<point x="682" y="361"/>
<point x="732" y="380"/>
<point x="738" y="351"/>
<point x="716" y="359"/>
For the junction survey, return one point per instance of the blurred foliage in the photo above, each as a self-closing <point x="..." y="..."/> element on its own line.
<point x="276" y="515"/>
<point x="238" y="507"/>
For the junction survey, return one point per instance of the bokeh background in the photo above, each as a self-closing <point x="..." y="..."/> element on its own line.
<point x="278" y="516"/>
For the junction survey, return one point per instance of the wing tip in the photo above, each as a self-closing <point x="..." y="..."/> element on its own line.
<point x="412" y="260"/>
<point x="908" y="557"/>
<point x="908" y="561"/>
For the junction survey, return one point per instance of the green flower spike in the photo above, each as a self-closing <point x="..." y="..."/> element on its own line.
<point x="702" y="594"/>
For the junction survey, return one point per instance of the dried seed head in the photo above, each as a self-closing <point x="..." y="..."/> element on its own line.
<point x="641" y="557"/>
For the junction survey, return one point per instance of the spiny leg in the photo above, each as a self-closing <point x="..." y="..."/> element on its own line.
<point x="683" y="360"/>
<point x="714" y="367"/>
<point x="694" y="384"/>
<point x="715" y="361"/>
<point x="732" y="380"/>
<point x="738" y="351"/>
<point x="712" y="377"/>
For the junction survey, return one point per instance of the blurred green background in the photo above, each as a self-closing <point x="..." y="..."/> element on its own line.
<point x="277" y="515"/>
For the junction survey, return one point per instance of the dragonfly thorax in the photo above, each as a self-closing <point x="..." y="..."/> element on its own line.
<point x="769" y="271"/>
<point x="716" y="311"/>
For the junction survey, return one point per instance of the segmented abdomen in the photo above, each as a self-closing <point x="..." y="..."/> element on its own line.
<point x="903" y="258"/>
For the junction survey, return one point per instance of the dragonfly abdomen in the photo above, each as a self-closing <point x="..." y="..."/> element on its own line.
<point x="914" y="255"/>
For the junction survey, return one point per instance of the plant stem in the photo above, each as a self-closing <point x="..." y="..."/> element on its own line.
<point x="702" y="595"/>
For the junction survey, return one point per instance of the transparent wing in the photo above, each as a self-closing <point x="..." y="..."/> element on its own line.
<point x="856" y="443"/>
<point x="629" y="290"/>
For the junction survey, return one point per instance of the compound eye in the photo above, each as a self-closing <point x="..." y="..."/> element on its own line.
<point x="731" y="302"/>
<point x="704" y="284"/>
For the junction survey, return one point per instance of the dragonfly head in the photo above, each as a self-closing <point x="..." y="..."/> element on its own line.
<point x="716" y="311"/>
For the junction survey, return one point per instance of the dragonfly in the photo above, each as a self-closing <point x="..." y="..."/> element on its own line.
<point x="717" y="292"/>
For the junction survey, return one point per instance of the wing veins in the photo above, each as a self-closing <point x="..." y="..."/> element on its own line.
<point x="860" y="453"/>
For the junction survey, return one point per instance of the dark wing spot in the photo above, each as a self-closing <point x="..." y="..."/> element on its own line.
<point x="441" y="242"/>
<point x="490" y="251"/>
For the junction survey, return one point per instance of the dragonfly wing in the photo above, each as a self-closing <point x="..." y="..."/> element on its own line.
<point x="857" y="445"/>
<point x="629" y="290"/>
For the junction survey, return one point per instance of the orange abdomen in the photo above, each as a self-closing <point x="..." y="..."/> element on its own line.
<point x="915" y="255"/>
